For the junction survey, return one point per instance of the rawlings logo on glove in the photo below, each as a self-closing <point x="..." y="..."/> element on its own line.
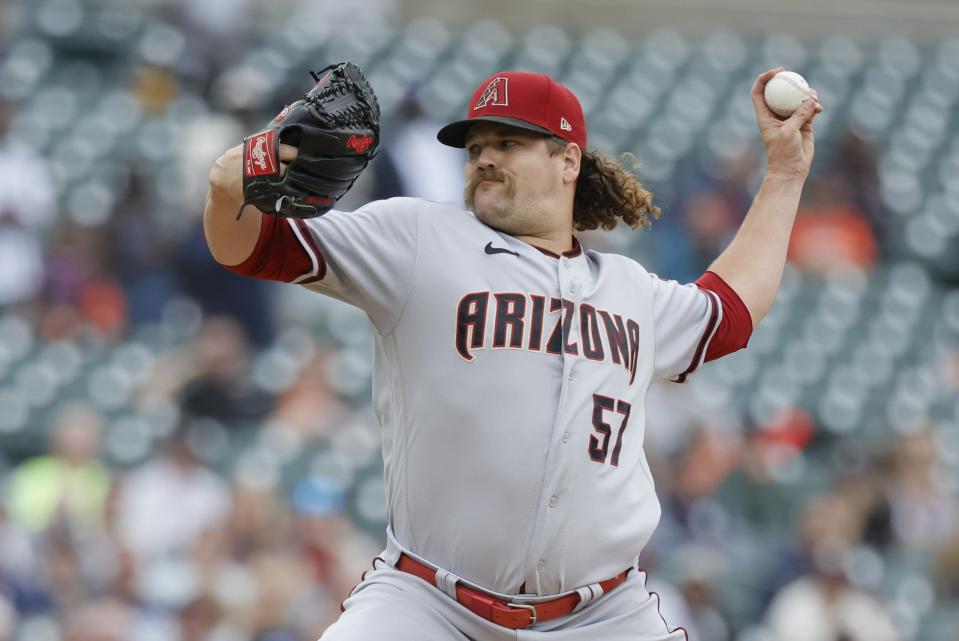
<point x="260" y="160"/>
<point x="360" y="144"/>
<point x="335" y="127"/>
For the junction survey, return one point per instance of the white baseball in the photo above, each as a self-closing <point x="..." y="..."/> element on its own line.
<point x="785" y="92"/>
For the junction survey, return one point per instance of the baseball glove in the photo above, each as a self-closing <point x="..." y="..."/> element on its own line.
<point x="336" y="128"/>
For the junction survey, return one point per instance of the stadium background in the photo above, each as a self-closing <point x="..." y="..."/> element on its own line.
<point x="189" y="456"/>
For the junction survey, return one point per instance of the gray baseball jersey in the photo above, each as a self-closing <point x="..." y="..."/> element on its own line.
<point x="509" y="383"/>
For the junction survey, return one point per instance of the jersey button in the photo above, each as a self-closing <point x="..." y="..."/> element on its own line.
<point x="552" y="501"/>
<point x="565" y="437"/>
<point x="540" y="564"/>
<point x="571" y="375"/>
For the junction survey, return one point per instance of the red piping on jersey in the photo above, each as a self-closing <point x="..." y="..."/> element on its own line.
<point x="362" y="578"/>
<point x="659" y="611"/>
<point x="737" y="324"/>
<point x="707" y="335"/>
<point x="321" y="264"/>
<point x="569" y="253"/>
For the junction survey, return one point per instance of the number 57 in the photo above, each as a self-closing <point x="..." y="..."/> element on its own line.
<point x="599" y="442"/>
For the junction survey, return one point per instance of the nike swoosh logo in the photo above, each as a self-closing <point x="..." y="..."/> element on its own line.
<point x="489" y="249"/>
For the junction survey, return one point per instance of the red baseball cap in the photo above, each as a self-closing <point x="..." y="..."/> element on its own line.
<point x="530" y="101"/>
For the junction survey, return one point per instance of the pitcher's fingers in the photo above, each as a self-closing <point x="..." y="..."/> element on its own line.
<point x="806" y="112"/>
<point x="288" y="152"/>
<point x="759" y="87"/>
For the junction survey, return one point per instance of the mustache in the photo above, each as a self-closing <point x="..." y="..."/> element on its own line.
<point x="479" y="176"/>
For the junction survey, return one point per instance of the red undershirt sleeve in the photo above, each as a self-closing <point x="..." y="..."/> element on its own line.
<point x="736" y="326"/>
<point x="284" y="252"/>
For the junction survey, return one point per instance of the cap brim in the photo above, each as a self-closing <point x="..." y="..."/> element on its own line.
<point x="454" y="134"/>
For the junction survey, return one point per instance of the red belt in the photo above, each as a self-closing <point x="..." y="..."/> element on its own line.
<point x="500" y="611"/>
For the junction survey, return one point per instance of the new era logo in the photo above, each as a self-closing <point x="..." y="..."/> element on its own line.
<point x="564" y="124"/>
<point x="496" y="94"/>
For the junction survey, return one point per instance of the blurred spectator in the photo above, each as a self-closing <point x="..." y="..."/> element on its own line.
<point x="831" y="231"/>
<point x="696" y="473"/>
<point x="310" y="404"/>
<point x="79" y="289"/>
<point x="922" y="505"/>
<point x="705" y="614"/>
<point x="105" y="620"/>
<point x="167" y="503"/>
<point x="10" y="21"/>
<point x="864" y="491"/>
<point x="220" y="387"/>
<point x="825" y="523"/>
<point x="138" y="253"/>
<point x="946" y="566"/>
<point x="336" y="551"/>
<point x="19" y="563"/>
<point x="8" y="620"/>
<point x="277" y="574"/>
<point x="154" y="87"/>
<point x="27" y="208"/>
<point x="220" y="292"/>
<point x="258" y="520"/>
<point x="205" y="136"/>
<point x="710" y="222"/>
<point x="700" y="571"/>
<point x="215" y="603"/>
<point x="215" y="31"/>
<point x="62" y="570"/>
<point x="822" y="606"/>
<point x="855" y="160"/>
<point x="202" y="619"/>
<point x="413" y="163"/>
<point x="281" y="578"/>
<point x="67" y="487"/>
<point x="702" y="209"/>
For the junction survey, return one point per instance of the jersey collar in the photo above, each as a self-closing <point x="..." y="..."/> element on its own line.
<point x="569" y="253"/>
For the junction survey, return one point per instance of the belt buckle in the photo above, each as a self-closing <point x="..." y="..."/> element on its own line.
<point x="524" y="606"/>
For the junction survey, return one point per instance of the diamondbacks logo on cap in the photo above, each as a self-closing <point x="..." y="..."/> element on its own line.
<point x="495" y="94"/>
<point x="564" y="124"/>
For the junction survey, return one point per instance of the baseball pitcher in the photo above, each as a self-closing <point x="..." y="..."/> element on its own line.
<point x="511" y="363"/>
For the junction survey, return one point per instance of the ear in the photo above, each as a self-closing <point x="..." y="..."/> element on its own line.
<point x="572" y="157"/>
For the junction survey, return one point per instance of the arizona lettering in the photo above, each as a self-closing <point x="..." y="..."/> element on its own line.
<point x="511" y="320"/>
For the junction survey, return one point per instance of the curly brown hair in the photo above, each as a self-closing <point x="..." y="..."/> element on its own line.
<point x="607" y="191"/>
